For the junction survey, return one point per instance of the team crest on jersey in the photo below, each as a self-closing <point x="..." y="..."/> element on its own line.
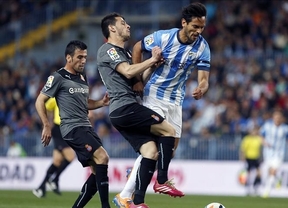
<point x="49" y="81"/>
<point x="113" y="54"/>
<point x="155" y="117"/>
<point x="191" y="55"/>
<point x="149" y="40"/>
<point x="88" y="147"/>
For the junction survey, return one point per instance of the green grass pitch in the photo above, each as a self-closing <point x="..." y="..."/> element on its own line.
<point x="25" y="199"/>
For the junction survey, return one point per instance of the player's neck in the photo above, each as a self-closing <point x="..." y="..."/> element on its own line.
<point x="68" y="69"/>
<point x="116" y="42"/>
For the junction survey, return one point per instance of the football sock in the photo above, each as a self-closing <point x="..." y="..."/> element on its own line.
<point x="269" y="184"/>
<point x="165" y="148"/>
<point x="102" y="183"/>
<point x="144" y="175"/>
<point x="61" y="168"/>
<point x="87" y="192"/>
<point x="129" y="187"/>
<point x="49" y="173"/>
<point x="257" y="181"/>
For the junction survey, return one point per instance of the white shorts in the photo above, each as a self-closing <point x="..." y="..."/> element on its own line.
<point x="171" y="112"/>
<point x="274" y="163"/>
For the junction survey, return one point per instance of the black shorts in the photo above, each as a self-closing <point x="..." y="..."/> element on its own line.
<point x="59" y="142"/>
<point x="252" y="164"/>
<point x="84" y="141"/>
<point x="134" y="122"/>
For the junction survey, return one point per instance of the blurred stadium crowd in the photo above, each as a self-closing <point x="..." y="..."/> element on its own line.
<point x="249" y="78"/>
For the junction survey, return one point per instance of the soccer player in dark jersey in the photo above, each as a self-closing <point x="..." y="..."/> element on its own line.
<point x="63" y="155"/>
<point x="146" y="131"/>
<point x="70" y="88"/>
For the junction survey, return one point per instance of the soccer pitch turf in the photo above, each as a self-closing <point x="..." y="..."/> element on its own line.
<point x="25" y="199"/>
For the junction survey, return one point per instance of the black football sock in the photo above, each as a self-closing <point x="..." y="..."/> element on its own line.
<point x="87" y="192"/>
<point x="165" y="148"/>
<point x="102" y="182"/>
<point x="52" y="169"/>
<point x="61" y="168"/>
<point x="144" y="175"/>
<point x="257" y="181"/>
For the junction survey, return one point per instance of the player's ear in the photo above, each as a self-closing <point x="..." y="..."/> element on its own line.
<point x="112" y="28"/>
<point x="68" y="58"/>
<point x="183" y="22"/>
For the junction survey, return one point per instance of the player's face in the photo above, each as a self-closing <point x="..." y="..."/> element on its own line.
<point x="79" y="60"/>
<point x="277" y="118"/>
<point x="122" y="28"/>
<point x="193" y="29"/>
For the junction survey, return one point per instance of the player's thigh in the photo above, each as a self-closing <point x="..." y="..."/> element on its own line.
<point x="84" y="141"/>
<point x="57" y="157"/>
<point x="163" y="129"/>
<point x="174" y="117"/>
<point x="166" y="110"/>
<point x="68" y="153"/>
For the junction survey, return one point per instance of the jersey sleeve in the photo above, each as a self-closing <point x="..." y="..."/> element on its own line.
<point x="50" y="104"/>
<point x="52" y="85"/>
<point x="150" y="41"/>
<point x="112" y="56"/>
<point x="203" y="62"/>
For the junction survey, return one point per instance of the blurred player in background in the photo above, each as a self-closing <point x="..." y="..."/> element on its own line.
<point x="275" y="133"/>
<point x="145" y="130"/>
<point x="63" y="154"/>
<point x="250" y="152"/>
<point x="70" y="88"/>
<point x="183" y="51"/>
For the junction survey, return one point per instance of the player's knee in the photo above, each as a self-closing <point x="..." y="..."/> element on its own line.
<point x="100" y="156"/>
<point x="153" y="155"/>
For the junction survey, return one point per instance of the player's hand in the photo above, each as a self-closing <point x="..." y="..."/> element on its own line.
<point x="197" y="94"/>
<point x="138" y="88"/>
<point x="46" y="136"/>
<point x="157" y="54"/>
<point x="106" y="99"/>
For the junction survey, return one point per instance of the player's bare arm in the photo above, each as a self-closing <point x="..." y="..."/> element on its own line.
<point x="94" y="104"/>
<point x="203" y="84"/>
<point x="42" y="112"/>
<point x="130" y="71"/>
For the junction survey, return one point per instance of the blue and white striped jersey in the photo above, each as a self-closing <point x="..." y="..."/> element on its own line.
<point x="276" y="137"/>
<point x="168" y="81"/>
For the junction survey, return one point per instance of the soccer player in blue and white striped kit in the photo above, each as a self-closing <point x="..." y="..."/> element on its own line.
<point x="275" y="134"/>
<point x="183" y="50"/>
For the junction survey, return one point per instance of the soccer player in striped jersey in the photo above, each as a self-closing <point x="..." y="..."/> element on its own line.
<point x="274" y="133"/>
<point x="183" y="51"/>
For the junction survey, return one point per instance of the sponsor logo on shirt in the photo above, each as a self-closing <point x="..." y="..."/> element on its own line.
<point x="149" y="40"/>
<point x="78" y="90"/>
<point x="113" y="54"/>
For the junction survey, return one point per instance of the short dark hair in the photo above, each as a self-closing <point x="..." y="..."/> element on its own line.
<point x="109" y="19"/>
<point x="193" y="10"/>
<point x="73" y="45"/>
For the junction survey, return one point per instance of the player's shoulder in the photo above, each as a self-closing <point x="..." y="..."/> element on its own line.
<point x="203" y="40"/>
<point x="168" y="31"/>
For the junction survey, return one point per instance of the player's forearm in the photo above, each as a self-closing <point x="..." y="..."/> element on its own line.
<point x="137" y="69"/>
<point x="146" y="75"/>
<point x="204" y="86"/>
<point x="41" y="110"/>
<point x="94" y="104"/>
